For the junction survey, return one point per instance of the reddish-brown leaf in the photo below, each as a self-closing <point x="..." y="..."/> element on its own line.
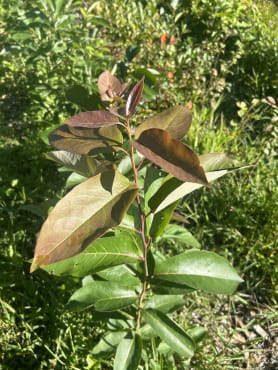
<point x="109" y="86"/>
<point x="173" y="156"/>
<point x="84" y="140"/>
<point x="93" y="119"/>
<point x="134" y="98"/>
<point x="84" y="214"/>
<point x="175" y="120"/>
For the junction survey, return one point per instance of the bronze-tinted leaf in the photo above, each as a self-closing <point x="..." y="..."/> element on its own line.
<point x="93" y="119"/>
<point x="109" y="86"/>
<point x="84" y="140"/>
<point x="83" y="215"/>
<point x="176" y="121"/>
<point x="134" y="98"/>
<point x="173" y="156"/>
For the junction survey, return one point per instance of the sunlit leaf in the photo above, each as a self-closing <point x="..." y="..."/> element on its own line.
<point x="83" y="140"/>
<point x="176" y="121"/>
<point x="173" y="156"/>
<point x="178" y="190"/>
<point x="200" y="270"/>
<point x="134" y="98"/>
<point x="217" y="161"/>
<point x="128" y="354"/>
<point x="93" y="119"/>
<point x="83" y="215"/>
<point x="109" y="86"/>
<point x="102" y="254"/>
<point x="198" y="333"/>
<point x="103" y="296"/>
<point x="170" y="332"/>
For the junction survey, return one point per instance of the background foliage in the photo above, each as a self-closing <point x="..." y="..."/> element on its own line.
<point x="206" y="53"/>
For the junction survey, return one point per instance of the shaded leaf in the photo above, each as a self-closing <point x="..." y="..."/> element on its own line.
<point x="121" y="274"/>
<point x="128" y="354"/>
<point x="200" y="270"/>
<point x="77" y="94"/>
<point x="83" y="140"/>
<point x="165" y="303"/>
<point x="93" y="119"/>
<point x="82" y="164"/>
<point x="177" y="233"/>
<point x="164" y="287"/>
<point x="176" y="158"/>
<point x="108" y="344"/>
<point x="103" y="296"/>
<point x="109" y="86"/>
<point x="83" y="215"/>
<point x="131" y="52"/>
<point x="40" y="209"/>
<point x="176" y="121"/>
<point x="170" y="332"/>
<point x="161" y="220"/>
<point x="103" y="253"/>
<point x="134" y="98"/>
<point x="150" y="86"/>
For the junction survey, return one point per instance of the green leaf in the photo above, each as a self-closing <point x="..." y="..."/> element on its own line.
<point x="93" y="119"/>
<point x="59" y="5"/>
<point x="103" y="296"/>
<point x="82" y="164"/>
<point x="84" y="214"/>
<point x="84" y="140"/>
<point x="154" y="178"/>
<point x="173" y="156"/>
<point x="170" y="332"/>
<point x="108" y="344"/>
<point x="161" y="220"/>
<point x="40" y="209"/>
<point x="74" y="179"/>
<point x="169" y="288"/>
<point x="121" y="274"/>
<point x="198" y="333"/>
<point x="150" y="86"/>
<point x="200" y="270"/>
<point x="176" y="121"/>
<point x="165" y="303"/>
<point x="77" y="94"/>
<point x="177" y="233"/>
<point x="217" y="161"/>
<point x="177" y="190"/>
<point x="104" y="253"/>
<point x="131" y="52"/>
<point x="128" y="355"/>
